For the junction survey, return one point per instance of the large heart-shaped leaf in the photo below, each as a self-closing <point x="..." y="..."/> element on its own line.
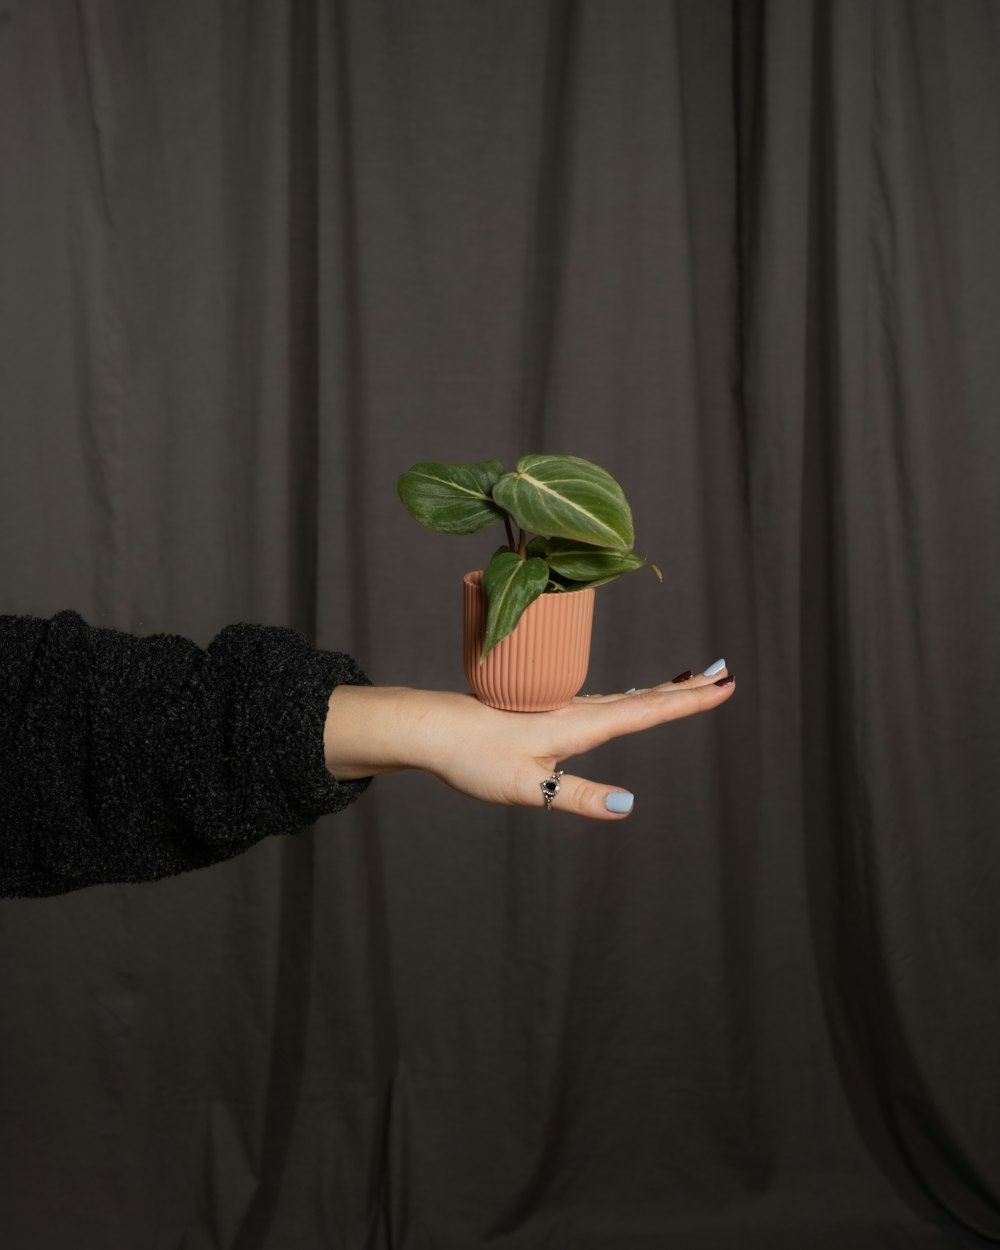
<point x="582" y="562"/>
<point x="567" y="497"/>
<point x="510" y="584"/>
<point x="452" y="498"/>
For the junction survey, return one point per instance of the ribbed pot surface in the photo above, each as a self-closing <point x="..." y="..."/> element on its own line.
<point x="542" y="663"/>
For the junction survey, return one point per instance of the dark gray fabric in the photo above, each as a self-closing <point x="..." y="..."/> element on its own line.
<point x="128" y="759"/>
<point x="256" y="260"/>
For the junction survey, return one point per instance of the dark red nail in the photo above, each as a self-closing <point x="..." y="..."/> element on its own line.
<point x="681" y="677"/>
<point x="726" y="681"/>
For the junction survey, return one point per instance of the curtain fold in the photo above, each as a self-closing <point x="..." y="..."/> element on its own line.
<point x="854" y="152"/>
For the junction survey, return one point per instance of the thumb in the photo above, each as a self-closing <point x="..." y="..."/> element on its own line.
<point x="580" y="797"/>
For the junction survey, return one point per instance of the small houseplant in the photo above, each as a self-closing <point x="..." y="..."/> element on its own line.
<point x="528" y="614"/>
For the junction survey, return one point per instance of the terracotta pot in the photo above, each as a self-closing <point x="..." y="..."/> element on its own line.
<point x="542" y="663"/>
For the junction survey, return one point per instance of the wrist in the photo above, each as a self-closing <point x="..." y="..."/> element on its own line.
<point x="368" y="731"/>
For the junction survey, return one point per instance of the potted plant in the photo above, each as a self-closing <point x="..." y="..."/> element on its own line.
<point x="528" y="615"/>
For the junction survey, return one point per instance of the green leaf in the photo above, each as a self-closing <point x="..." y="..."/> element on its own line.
<point x="537" y="546"/>
<point x="582" y="562"/>
<point x="510" y="584"/>
<point x="567" y="497"/>
<point x="452" y="498"/>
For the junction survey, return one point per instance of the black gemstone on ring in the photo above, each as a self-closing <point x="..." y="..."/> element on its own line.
<point x="550" y="787"/>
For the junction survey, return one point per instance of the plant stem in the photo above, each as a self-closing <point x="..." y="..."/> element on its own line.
<point x="522" y="544"/>
<point x="510" y="533"/>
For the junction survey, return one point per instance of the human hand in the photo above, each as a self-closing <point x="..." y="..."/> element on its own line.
<point x="501" y="757"/>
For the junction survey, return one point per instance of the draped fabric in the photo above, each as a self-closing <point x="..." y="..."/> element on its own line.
<point x="258" y="258"/>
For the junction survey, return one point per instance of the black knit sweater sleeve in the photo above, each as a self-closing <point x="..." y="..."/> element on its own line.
<point x="130" y="759"/>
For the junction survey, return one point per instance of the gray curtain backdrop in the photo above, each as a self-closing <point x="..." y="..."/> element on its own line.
<point x="258" y="258"/>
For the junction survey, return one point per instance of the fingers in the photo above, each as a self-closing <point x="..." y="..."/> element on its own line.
<point x="687" y="681"/>
<point x="614" y="716"/>
<point x="579" y="797"/>
<point x="693" y="681"/>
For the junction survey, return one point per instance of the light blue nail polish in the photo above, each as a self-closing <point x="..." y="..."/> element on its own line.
<point x="619" y="802"/>
<point x="632" y="691"/>
<point x="712" y="669"/>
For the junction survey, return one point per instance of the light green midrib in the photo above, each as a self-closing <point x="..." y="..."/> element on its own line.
<point x="502" y="596"/>
<point x="476" y="494"/>
<point x="500" y="602"/>
<point x="542" y="486"/>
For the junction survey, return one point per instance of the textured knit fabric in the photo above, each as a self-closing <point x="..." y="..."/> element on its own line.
<point x="131" y="759"/>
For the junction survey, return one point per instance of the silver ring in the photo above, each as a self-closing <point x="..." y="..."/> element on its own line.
<point x="550" y="788"/>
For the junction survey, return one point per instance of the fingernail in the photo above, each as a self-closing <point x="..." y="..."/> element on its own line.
<point x="681" y="677"/>
<point x="712" y="669"/>
<point x="725" y="681"/>
<point x="620" y="802"/>
<point x="632" y="691"/>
